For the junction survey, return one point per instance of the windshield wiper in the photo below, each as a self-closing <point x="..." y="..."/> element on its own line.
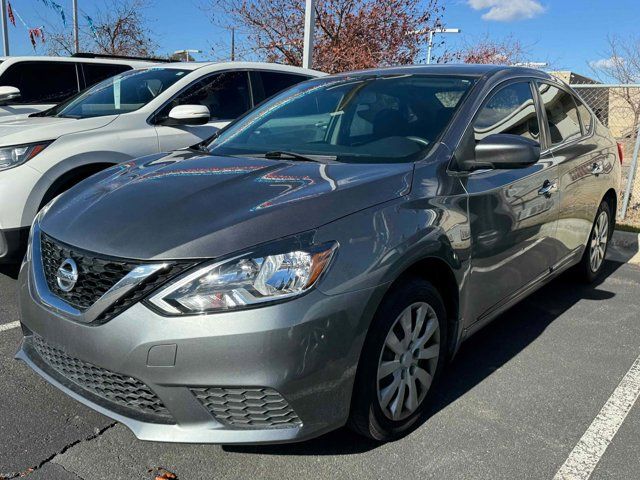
<point x="199" y="147"/>
<point x="279" y="154"/>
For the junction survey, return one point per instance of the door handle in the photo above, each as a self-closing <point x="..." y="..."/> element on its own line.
<point x="597" y="168"/>
<point x="548" y="188"/>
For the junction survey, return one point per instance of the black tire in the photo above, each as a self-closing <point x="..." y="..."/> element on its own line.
<point x="367" y="417"/>
<point x="584" y="270"/>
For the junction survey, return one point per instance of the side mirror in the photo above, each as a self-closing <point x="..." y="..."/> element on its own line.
<point x="504" y="151"/>
<point x="188" y="115"/>
<point x="8" y="93"/>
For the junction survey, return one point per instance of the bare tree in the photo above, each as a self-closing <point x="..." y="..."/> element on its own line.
<point x="488" y="51"/>
<point x="621" y="65"/>
<point x="120" y="28"/>
<point x="622" y="62"/>
<point x="350" y="34"/>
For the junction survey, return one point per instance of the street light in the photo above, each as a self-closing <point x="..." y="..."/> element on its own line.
<point x="186" y="53"/>
<point x="431" y="33"/>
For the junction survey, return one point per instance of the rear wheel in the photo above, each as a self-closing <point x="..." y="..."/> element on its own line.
<point x="592" y="261"/>
<point x="401" y="361"/>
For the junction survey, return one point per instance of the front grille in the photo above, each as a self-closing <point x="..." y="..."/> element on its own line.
<point x="248" y="407"/>
<point x="123" y="391"/>
<point x="96" y="275"/>
<point x="150" y="284"/>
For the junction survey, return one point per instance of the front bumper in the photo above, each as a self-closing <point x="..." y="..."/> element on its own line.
<point x="305" y="351"/>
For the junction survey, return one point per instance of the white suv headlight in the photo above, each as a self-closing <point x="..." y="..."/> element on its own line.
<point x="244" y="281"/>
<point x="18" y="154"/>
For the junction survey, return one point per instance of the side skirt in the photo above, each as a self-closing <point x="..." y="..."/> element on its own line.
<point x="572" y="259"/>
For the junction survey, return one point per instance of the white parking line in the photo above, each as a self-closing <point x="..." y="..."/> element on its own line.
<point x="589" y="450"/>
<point x="8" y="326"/>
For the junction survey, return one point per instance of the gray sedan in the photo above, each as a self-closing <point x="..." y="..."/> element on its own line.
<point x="318" y="261"/>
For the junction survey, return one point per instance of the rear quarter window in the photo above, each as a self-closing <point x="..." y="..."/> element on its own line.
<point x="275" y="82"/>
<point x="41" y="82"/>
<point x="562" y="114"/>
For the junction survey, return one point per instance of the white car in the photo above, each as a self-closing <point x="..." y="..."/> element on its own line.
<point x="135" y="113"/>
<point x="34" y="84"/>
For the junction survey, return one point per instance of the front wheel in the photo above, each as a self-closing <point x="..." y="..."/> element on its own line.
<point x="592" y="261"/>
<point x="402" y="359"/>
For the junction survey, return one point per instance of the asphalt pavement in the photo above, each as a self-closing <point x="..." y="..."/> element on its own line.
<point x="514" y="404"/>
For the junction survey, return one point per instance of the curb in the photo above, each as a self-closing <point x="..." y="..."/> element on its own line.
<point x="625" y="247"/>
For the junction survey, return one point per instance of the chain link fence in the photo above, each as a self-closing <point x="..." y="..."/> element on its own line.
<point x="618" y="108"/>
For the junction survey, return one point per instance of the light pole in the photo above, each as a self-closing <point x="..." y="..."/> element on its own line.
<point x="186" y="53"/>
<point x="5" y="30"/>
<point x="233" y="44"/>
<point x="309" y="24"/>
<point x="76" y="39"/>
<point x="430" y="33"/>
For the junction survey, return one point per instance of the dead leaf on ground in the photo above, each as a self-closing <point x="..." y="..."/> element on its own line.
<point x="163" y="474"/>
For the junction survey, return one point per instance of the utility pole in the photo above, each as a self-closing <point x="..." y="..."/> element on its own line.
<point x="76" y="37"/>
<point x="309" y="25"/>
<point x="233" y="44"/>
<point x="5" y="30"/>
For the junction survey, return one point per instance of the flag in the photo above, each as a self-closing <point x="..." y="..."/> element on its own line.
<point x="12" y="19"/>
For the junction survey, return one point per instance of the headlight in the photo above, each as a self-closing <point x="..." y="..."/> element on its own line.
<point x="13" y="156"/>
<point x="245" y="281"/>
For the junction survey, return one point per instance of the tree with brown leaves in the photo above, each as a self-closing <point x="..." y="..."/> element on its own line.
<point x="349" y="34"/>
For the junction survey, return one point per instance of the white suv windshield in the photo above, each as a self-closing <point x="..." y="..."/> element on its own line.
<point x="123" y="93"/>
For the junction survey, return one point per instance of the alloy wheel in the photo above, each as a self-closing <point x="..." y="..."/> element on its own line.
<point x="599" y="239"/>
<point x="408" y="361"/>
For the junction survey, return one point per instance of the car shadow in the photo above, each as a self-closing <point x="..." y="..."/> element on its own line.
<point x="10" y="270"/>
<point x="478" y="358"/>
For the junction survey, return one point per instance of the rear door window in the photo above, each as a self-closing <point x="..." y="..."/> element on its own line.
<point x="96" y="72"/>
<point x="226" y="95"/>
<point x="511" y="110"/>
<point x="42" y="82"/>
<point x="562" y="114"/>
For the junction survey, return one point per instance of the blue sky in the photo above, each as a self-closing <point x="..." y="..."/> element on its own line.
<point x="567" y="33"/>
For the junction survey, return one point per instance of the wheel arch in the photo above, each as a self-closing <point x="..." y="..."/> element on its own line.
<point x="70" y="178"/>
<point x="441" y="275"/>
<point x="611" y="197"/>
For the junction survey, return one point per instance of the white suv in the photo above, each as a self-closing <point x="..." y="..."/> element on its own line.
<point x="34" y="84"/>
<point x="135" y="113"/>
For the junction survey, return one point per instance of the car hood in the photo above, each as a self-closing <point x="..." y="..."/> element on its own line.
<point x="193" y="205"/>
<point x="21" y="130"/>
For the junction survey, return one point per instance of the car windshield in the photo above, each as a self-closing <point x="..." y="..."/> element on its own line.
<point x="377" y="119"/>
<point x="123" y="93"/>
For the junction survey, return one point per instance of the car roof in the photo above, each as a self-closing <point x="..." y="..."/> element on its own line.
<point x="275" y="67"/>
<point x="103" y="60"/>
<point x="474" y="70"/>
<point x="191" y="66"/>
